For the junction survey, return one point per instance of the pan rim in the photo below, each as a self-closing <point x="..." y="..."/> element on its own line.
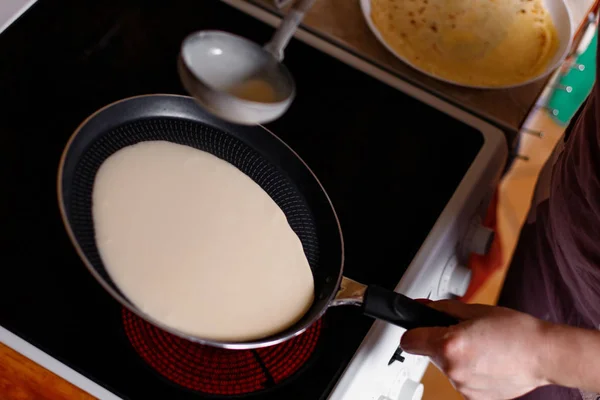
<point x="231" y="345"/>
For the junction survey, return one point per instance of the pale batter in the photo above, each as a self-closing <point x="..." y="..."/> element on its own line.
<point x="198" y="245"/>
<point x="255" y="90"/>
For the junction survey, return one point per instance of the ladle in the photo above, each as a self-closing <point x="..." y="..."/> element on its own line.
<point x="235" y="78"/>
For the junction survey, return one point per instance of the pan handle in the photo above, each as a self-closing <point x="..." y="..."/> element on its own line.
<point x="403" y="311"/>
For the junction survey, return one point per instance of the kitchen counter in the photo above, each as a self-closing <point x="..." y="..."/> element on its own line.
<point x="342" y="22"/>
<point x="22" y="379"/>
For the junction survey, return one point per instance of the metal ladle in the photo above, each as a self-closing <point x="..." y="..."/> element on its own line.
<point x="235" y="78"/>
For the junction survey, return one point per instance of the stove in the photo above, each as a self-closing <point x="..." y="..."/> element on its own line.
<point x="410" y="177"/>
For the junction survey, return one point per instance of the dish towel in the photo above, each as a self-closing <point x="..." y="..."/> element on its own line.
<point x="484" y="266"/>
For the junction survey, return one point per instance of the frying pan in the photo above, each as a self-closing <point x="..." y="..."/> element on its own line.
<point x="261" y="155"/>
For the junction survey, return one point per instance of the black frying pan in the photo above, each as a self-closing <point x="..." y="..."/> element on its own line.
<point x="264" y="158"/>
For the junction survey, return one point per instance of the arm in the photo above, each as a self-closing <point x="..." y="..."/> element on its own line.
<point x="498" y="353"/>
<point x="573" y="359"/>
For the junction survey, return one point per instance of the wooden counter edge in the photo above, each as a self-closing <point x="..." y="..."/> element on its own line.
<point x="23" y="379"/>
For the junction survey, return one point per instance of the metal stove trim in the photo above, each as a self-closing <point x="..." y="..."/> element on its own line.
<point x="24" y="6"/>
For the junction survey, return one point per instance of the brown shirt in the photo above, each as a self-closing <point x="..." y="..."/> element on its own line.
<point x="555" y="272"/>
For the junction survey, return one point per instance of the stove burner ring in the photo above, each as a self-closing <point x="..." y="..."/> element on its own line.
<point x="217" y="371"/>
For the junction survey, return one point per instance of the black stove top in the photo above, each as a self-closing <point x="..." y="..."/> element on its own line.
<point x="389" y="163"/>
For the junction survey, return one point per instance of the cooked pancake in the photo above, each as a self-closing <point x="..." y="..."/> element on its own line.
<point x="472" y="42"/>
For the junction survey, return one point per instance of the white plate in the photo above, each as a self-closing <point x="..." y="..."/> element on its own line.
<point x="560" y="17"/>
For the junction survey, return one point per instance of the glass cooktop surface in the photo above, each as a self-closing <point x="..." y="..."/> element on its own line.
<point x="389" y="163"/>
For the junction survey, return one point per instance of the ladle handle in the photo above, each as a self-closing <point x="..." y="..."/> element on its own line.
<point x="287" y="28"/>
<point x="402" y="311"/>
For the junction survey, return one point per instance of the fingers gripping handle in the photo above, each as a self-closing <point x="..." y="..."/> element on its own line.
<point x="403" y="311"/>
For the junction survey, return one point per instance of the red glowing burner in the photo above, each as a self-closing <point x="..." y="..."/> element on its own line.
<point x="218" y="371"/>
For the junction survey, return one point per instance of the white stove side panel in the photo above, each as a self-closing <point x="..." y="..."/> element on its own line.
<point x="10" y="10"/>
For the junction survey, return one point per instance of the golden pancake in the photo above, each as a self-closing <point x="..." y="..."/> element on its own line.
<point x="471" y="42"/>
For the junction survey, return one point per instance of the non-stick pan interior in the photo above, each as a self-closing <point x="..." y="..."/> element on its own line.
<point x="253" y="150"/>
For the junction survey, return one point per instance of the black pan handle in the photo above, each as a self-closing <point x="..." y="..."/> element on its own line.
<point x="403" y="311"/>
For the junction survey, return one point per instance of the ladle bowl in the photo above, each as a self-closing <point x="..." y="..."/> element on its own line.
<point x="235" y="78"/>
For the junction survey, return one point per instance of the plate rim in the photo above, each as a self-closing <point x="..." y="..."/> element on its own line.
<point x="365" y="6"/>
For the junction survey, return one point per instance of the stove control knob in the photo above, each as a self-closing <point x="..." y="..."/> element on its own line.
<point x="480" y="239"/>
<point x="411" y="390"/>
<point x="455" y="279"/>
<point x="459" y="281"/>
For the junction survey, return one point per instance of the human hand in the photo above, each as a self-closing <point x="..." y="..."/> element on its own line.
<point x="494" y="354"/>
